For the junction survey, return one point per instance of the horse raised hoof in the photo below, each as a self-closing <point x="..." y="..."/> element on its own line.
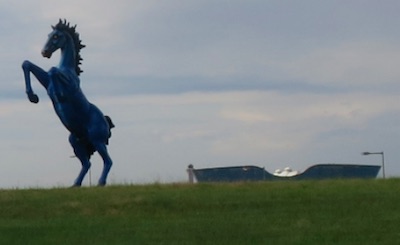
<point x="33" y="98"/>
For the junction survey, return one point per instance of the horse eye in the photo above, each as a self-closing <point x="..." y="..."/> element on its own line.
<point x="55" y="37"/>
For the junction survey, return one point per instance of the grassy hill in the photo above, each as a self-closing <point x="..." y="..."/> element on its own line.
<point x="305" y="212"/>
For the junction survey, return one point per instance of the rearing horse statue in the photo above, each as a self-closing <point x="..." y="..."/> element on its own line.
<point x="89" y="128"/>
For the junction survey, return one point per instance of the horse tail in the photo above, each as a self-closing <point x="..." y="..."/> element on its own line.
<point x="110" y="126"/>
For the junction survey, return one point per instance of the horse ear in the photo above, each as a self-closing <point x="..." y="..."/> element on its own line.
<point x="53" y="27"/>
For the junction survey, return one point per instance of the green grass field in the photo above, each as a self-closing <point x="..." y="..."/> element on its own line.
<point x="305" y="212"/>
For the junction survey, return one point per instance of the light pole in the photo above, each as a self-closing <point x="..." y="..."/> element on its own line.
<point x="383" y="159"/>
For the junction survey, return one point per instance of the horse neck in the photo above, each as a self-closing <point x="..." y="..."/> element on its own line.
<point x="68" y="55"/>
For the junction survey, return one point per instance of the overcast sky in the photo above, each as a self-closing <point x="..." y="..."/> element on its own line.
<point x="211" y="83"/>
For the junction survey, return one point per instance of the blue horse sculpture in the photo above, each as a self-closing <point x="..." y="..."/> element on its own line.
<point x="89" y="128"/>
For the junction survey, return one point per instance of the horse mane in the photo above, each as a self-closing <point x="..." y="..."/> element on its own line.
<point x="64" y="26"/>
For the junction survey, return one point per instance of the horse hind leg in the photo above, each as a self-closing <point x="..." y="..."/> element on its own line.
<point x="82" y="154"/>
<point x="85" y="168"/>
<point x="101" y="148"/>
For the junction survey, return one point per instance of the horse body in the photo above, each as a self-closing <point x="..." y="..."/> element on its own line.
<point x="89" y="128"/>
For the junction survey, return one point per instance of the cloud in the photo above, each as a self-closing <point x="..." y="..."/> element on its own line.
<point x="360" y="65"/>
<point x="245" y="46"/>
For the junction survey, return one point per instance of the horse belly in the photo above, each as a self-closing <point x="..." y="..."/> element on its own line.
<point x="71" y="119"/>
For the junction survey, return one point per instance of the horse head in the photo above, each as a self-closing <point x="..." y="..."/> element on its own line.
<point x="62" y="36"/>
<point x="56" y="39"/>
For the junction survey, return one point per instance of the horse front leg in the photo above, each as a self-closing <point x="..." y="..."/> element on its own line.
<point x="40" y="75"/>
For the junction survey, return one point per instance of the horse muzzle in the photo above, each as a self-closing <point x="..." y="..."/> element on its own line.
<point x="46" y="54"/>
